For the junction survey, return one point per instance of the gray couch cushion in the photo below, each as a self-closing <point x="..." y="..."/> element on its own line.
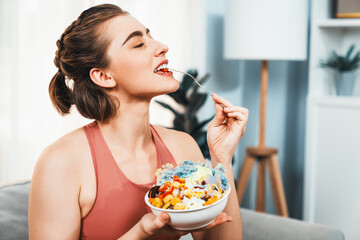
<point x="261" y="226"/>
<point x="14" y="200"/>
<point x="257" y="226"/>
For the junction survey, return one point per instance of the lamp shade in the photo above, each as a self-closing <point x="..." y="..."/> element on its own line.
<point x="266" y="29"/>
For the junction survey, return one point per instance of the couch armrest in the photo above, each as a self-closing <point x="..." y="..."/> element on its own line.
<point x="14" y="200"/>
<point x="262" y="226"/>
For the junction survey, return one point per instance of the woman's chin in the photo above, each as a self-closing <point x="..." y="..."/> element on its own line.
<point x="175" y="86"/>
<point x="172" y="86"/>
<point x="169" y="87"/>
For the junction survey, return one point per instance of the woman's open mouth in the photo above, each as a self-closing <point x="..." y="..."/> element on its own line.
<point x="163" y="70"/>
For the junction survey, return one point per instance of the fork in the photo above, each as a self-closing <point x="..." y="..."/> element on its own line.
<point x="208" y="92"/>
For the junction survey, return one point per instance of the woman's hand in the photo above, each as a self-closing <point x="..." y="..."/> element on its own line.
<point x="156" y="226"/>
<point x="226" y="130"/>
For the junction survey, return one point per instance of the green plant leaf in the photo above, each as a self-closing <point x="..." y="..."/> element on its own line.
<point x="334" y="55"/>
<point x="348" y="54"/>
<point x="201" y="138"/>
<point x="167" y="106"/>
<point x="178" y="123"/>
<point x="342" y="63"/>
<point x="179" y="97"/>
<point x="202" y="142"/>
<point x="199" y="126"/>
<point x="205" y="151"/>
<point x="355" y="61"/>
<point x="192" y="123"/>
<point x="196" y="101"/>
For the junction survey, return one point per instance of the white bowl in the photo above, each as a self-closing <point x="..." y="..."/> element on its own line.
<point x="190" y="219"/>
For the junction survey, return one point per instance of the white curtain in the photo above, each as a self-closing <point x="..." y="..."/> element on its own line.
<point x="28" y="33"/>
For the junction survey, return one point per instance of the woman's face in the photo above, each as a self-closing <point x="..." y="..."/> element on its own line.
<point x="134" y="55"/>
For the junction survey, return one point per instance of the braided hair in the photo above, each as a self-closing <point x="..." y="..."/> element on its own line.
<point x="79" y="49"/>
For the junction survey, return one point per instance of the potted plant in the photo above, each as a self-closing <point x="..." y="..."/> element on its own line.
<point x="344" y="68"/>
<point x="191" y="100"/>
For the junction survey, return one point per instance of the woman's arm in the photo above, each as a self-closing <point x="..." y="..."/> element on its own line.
<point x="54" y="211"/>
<point x="224" y="134"/>
<point x="232" y="227"/>
<point x="230" y="230"/>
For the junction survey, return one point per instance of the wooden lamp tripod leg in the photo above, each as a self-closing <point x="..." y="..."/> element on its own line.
<point x="277" y="186"/>
<point x="244" y="176"/>
<point x="260" y="198"/>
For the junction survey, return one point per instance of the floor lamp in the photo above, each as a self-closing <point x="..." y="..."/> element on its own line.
<point x="265" y="30"/>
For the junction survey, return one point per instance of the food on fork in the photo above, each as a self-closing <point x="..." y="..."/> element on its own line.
<point x="190" y="185"/>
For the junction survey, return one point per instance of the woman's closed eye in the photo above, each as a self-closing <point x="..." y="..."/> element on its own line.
<point x="139" y="45"/>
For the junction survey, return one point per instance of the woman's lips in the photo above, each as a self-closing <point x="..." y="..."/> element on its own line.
<point x="168" y="73"/>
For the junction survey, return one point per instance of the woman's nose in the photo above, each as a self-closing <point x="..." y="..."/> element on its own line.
<point x="161" y="49"/>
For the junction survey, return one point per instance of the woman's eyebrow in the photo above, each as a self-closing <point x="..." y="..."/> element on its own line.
<point x="135" y="34"/>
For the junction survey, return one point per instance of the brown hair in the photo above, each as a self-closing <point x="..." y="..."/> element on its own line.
<point x="81" y="48"/>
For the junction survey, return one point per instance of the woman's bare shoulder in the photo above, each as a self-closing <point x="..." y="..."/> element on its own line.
<point x="56" y="183"/>
<point x="181" y="144"/>
<point x="64" y="154"/>
<point x="70" y="145"/>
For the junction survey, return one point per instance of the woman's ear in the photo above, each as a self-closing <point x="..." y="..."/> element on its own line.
<point x="101" y="78"/>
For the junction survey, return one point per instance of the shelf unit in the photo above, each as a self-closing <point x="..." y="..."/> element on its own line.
<point x="336" y="23"/>
<point x="332" y="163"/>
<point x="328" y="34"/>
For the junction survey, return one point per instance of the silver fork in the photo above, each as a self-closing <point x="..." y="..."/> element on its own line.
<point x="208" y="92"/>
<point x="192" y="79"/>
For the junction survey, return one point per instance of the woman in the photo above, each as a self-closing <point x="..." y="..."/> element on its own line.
<point x="90" y="183"/>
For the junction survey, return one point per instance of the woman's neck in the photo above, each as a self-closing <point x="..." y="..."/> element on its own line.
<point x="130" y="128"/>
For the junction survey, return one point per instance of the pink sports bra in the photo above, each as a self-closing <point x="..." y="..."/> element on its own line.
<point x="119" y="202"/>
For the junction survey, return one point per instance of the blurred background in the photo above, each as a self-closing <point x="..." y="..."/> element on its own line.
<point x="193" y="30"/>
<point x="195" y="34"/>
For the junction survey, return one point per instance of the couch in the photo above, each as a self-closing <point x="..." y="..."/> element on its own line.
<point x="257" y="226"/>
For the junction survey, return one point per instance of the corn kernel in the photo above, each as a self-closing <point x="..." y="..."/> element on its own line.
<point x="189" y="193"/>
<point x="179" y="206"/>
<point x="168" y="198"/>
<point x="166" y="205"/>
<point x="157" y="202"/>
<point x="174" y="201"/>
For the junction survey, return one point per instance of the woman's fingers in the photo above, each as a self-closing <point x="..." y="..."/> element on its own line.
<point x="160" y="221"/>
<point x="221" y="218"/>
<point x="243" y="110"/>
<point x="219" y="116"/>
<point x="221" y="100"/>
<point x="237" y="115"/>
<point x="153" y="226"/>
